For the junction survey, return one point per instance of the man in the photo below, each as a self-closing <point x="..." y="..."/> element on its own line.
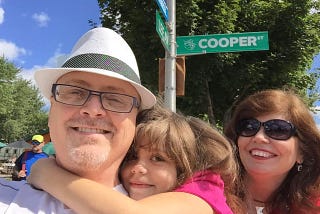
<point x="28" y="158"/>
<point x="95" y="97"/>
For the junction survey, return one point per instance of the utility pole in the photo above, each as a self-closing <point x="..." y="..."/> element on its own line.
<point x="170" y="65"/>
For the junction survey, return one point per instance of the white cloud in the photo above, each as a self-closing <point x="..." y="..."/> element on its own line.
<point x="1" y="15"/>
<point x="27" y="74"/>
<point x="10" y="50"/>
<point x="41" y="18"/>
<point x="314" y="11"/>
<point x="55" y="61"/>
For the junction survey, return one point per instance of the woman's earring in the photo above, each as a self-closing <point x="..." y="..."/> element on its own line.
<point x="299" y="167"/>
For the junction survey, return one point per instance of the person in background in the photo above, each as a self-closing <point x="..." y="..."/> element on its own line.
<point x="24" y="162"/>
<point x="279" y="150"/>
<point x="95" y="97"/>
<point x="170" y="152"/>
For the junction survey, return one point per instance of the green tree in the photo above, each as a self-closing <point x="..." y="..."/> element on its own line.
<point x="20" y="107"/>
<point x="215" y="82"/>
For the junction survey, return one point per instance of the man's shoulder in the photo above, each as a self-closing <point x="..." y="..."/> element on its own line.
<point x="9" y="187"/>
<point x="20" y="197"/>
<point x="8" y="191"/>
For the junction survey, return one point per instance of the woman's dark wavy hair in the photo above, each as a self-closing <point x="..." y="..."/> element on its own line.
<point x="300" y="190"/>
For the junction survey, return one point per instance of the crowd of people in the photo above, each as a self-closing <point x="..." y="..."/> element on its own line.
<point x="119" y="150"/>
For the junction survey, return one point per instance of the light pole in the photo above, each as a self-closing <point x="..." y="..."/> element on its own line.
<point x="170" y="65"/>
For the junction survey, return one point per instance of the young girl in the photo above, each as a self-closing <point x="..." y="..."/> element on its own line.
<point x="171" y="152"/>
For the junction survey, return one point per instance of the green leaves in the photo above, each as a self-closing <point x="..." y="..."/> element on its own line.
<point x="20" y="106"/>
<point x="225" y="78"/>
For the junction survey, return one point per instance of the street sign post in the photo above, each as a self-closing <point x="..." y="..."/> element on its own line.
<point x="162" y="31"/>
<point x="164" y="9"/>
<point x="216" y="43"/>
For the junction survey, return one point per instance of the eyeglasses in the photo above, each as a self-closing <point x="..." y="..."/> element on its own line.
<point x="77" y="96"/>
<point x="276" y="129"/>
<point x="35" y="143"/>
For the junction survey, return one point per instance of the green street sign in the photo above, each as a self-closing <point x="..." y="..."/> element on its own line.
<point x="216" y="43"/>
<point x="162" y="31"/>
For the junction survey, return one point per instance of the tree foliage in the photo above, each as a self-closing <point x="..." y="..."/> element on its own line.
<point x="215" y="82"/>
<point x="20" y="107"/>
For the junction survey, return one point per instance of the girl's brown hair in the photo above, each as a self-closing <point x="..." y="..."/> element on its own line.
<point x="193" y="144"/>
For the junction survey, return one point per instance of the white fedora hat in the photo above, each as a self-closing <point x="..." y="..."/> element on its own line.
<point x="100" y="51"/>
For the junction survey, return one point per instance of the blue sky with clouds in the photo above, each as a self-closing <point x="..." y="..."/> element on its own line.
<point x="35" y="33"/>
<point x="315" y="67"/>
<point x="38" y="33"/>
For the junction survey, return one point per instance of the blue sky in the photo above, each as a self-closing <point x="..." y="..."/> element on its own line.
<point x="39" y="33"/>
<point x="315" y="67"/>
<point x="35" y="33"/>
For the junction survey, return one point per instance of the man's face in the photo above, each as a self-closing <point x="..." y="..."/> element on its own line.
<point x="89" y="140"/>
<point x="37" y="147"/>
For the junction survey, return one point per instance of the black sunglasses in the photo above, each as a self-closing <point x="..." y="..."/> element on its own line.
<point x="276" y="129"/>
<point x="35" y="143"/>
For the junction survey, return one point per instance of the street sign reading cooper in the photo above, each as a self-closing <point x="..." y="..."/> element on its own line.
<point x="215" y="43"/>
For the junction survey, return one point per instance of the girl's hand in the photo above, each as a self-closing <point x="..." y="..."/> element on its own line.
<point x="38" y="175"/>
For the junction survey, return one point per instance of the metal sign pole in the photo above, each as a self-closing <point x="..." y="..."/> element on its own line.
<point x="170" y="65"/>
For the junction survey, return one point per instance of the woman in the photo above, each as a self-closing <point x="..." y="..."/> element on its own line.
<point x="279" y="150"/>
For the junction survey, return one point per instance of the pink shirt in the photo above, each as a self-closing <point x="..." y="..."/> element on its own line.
<point x="210" y="187"/>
